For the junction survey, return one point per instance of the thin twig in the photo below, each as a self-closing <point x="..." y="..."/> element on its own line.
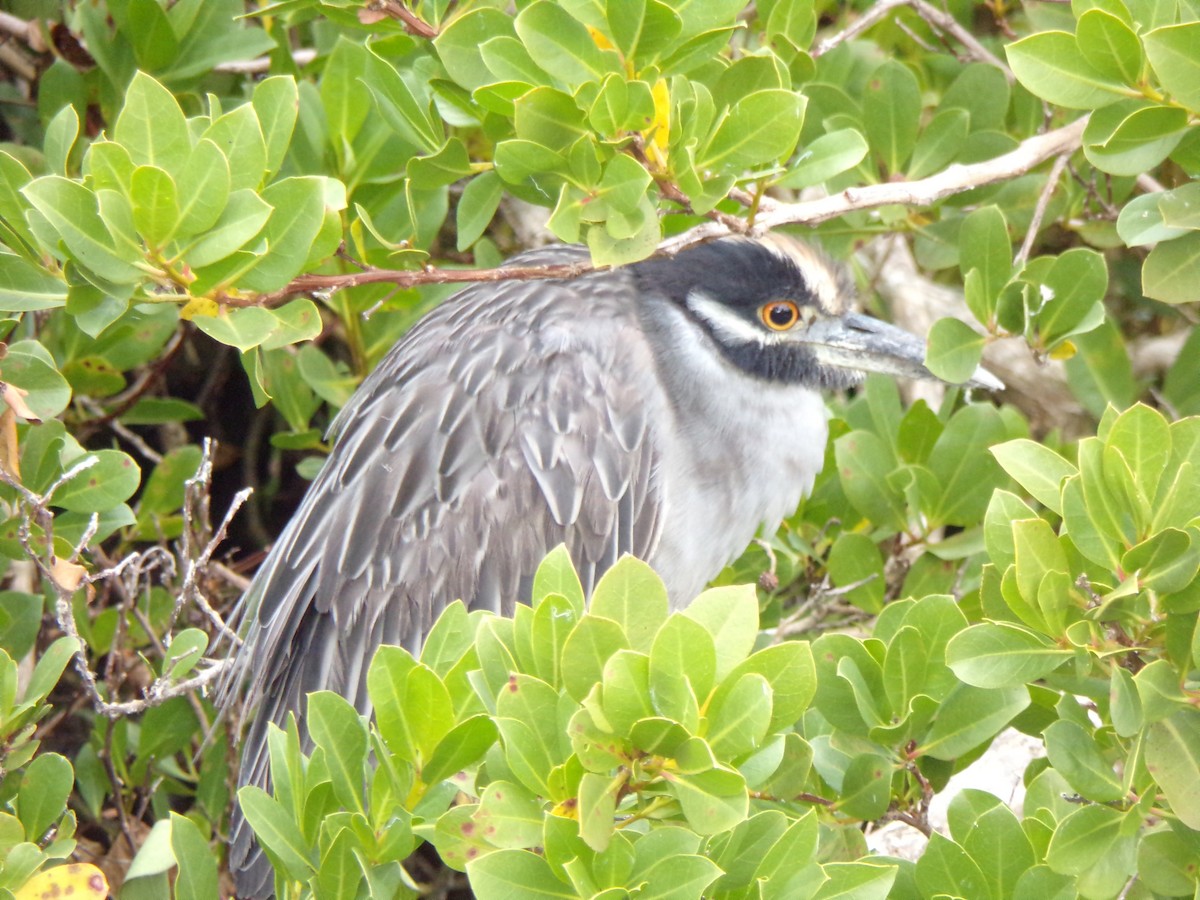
<point x="1039" y="212"/>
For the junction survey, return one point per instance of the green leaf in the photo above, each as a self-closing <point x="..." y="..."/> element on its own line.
<point x="197" y="877"/>
<point x="1074" y="284"/>
<point x="155" y="205"/>
<point x="1122" y="142"/>
<point x="458" y="44"/>
<point x="855" y="558"/>
<point x="739" y="718"/>
<point x="984" y="245"/>
<point x="108" y="483"/>
<point x="42" y="796"/>
<point x="1073" y="752"/>
<point x="145" y="24"/>
<point x="476" y="207"/>
<point x="1171" y="273"/>
<point x="561" y="44"/>
<point x="185" y="650"/>
<point x="50" y="668"/>
<point x="953" y="350"/>
<point x="25" y="287"/>
<point x="633" y="596"/>
<point x="241" y="220"/>
<point x="203" y="189"/>
<point x="683" y="664"/>
<point x="510" y="816"/>
<point x="939" y="143"/>
<point x="1036" y="468"/>
<point x="762" y="127"/>
<point x="1172" y="52"/>
<point x="276" y="102"/>
<point x="1109" y="45"/>
<point x="970" y="716"/>
<point x="1083" y="838"/>
<point x="244" y="328"/>
<point x="945" y="869"/>
<point x="892" y="114"/>
<point x="276" y="831"/>
<point x="829" y="155"/>
<point x="713" y="801"/>
<point x="1173" y="758"/>
<point x="299" y="209"/>
<point x="336" y="728"/>
<point x="344" y="95"/>
<point x="239" y="136"/>
<point x="152" y="127"/>
<point x="61" y="134"/>
<point x="642" y="29"/>
<point x="509" y="874"/>
<point x="1165" y="562"/>
<point x="730" y="615"/>
<point x="1050" y="65"/>
<point x="463" y="745"/>
<point x="589" y="647"/>
<point x="999" y="655"/>
<point x="866" y="787"/>
<point x="864" y="462"/>
<point x="73" y="210"/>
<point x="862" y="880"/>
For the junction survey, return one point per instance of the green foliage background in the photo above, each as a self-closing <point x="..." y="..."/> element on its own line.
<point x="186" y="238"/>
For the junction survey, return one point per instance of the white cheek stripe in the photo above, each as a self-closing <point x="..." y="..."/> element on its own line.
<point x="727" y="325"/>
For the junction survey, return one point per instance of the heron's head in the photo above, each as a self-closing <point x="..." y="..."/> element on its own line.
<point x="781" y="310"/>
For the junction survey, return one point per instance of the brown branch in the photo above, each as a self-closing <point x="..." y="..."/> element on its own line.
<point x="396" y="9"/>
<point x="405" y="278"/>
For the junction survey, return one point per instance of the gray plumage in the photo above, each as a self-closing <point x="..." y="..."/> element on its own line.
<point x="647" y="410"/>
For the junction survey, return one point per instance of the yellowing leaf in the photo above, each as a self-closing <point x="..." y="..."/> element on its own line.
<point x="79" y="881"/>
<point x="659" y="133"/>
<point x="198" y="306"/>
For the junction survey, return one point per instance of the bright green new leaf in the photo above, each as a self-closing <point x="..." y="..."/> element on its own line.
<point x="336" y="728"/>
<point x="1037" y="468"/>
<point x="239" y="136"/>
<point x="1124" y="142"/>
<point x="197" y="876"/>
<point x="152" y="127"/>
<point x="829" y="155"/>
<point x="730" y="615"/>
<point x="763" y="127"/>
<point x="631" y="594"/>
<point x="1109" y="45"/>
<point x="561" y="44"/>
<point x="1051" y="66"/>
<point x="155" y="205"/>
<point x="73" y="210"/>
<point x="1172" y="52"/>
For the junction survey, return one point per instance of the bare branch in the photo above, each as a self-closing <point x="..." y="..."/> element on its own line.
<point x="936" y="18"/>
<point x="1039" y="212"/>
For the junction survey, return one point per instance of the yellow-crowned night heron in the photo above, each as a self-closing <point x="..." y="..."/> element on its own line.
<point x="666" y="409"/>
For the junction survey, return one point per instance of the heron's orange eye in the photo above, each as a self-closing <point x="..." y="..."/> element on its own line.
<point x="779" y="315"/>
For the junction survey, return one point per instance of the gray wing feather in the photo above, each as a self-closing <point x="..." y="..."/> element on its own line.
<point x="508" y="421"/>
